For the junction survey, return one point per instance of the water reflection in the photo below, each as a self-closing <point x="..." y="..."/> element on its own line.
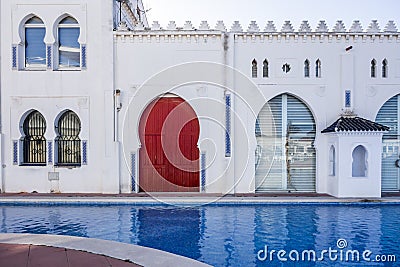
<point x="222" y="235"/>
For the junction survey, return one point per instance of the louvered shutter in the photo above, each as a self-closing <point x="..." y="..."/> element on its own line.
<point x="389" y="115"/>
<point x="285" y="160"/>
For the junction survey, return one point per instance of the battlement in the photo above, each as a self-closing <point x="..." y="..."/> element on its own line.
<point x="270" y="28"/>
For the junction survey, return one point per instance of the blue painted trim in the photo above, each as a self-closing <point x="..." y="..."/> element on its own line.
<point x="15" y="152"/>
<point x="50" y="152"/>
<point x="49" y="56"/>
<point x="84" y="153"/>
<point x="83" y="56"/>
<point x="133" y="171"/>
<point x="228" y="125"/>
<point x="14" y="57"/>
<point x="348" y="99"/>
<point x="203" y="172"/>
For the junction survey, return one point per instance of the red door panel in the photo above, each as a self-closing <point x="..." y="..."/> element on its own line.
<point x="169" y="157"/>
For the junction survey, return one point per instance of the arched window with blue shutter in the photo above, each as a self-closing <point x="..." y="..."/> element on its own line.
<point x="35" y="48"/>
<point x="68" y="46"/>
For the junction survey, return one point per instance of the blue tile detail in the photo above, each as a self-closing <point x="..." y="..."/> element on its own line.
<point x="133" y="171"/>
<point x="228" y="125"/>
<point x="203" y="172"/>
<point x="84" y="153"/>
<point x="49" y="56"/>
<point x="15" y="152"/>
<point x="14" y="57"/>
<point x="348" y="98"/>
<point x="50" y="152"/>
<point x="83" y="55"/>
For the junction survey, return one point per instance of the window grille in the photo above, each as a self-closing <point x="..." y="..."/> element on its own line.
<point x="306" y="68"/>
<point x="265" y="69"/>
<point x="34" y="142"/>
<point x="254" y="68"/>
<point x="68" y="142"/>
<point x="373" y="68"/>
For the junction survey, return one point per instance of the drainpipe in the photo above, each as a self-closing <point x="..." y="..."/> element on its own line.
<point x="116" y="108"/>
<point x="2" y="165"/>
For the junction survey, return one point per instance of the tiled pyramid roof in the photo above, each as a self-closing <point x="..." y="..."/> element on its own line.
<point x="355" y="124"/>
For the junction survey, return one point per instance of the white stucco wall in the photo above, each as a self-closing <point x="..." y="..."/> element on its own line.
<point x="86" y="92"/>
<point x="146" y="63"/>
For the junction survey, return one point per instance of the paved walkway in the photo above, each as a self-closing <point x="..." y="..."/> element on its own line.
<point x="20" y="255"/>
<point x="34" y="250"/>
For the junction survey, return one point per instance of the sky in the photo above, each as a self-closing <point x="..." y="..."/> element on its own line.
<point x="277" y="10"/>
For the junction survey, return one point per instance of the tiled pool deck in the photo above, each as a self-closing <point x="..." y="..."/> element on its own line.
<point x="43" y="250"/>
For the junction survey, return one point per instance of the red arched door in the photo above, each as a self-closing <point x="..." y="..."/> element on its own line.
<point x="169" y="157"/>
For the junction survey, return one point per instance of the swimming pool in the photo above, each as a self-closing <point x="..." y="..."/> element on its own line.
<point x="230" y="235"/>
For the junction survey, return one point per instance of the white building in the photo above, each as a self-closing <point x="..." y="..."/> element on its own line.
<point x="95" y="99"/>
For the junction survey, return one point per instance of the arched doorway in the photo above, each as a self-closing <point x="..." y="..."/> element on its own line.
<point x="169" y="156"/>
<point x="388" y="115"/>
<point x="285" y="157"/>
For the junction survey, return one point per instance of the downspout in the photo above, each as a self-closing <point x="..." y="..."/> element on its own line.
<point x="2" y="166"/>
<point x="116" y="108"/>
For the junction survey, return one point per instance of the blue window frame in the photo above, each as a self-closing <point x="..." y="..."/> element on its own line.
<point x="68" y="45"/>
<point x="35" y="48"/>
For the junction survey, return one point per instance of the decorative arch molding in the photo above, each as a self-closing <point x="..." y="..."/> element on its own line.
<point x="82" y="35"/>
<point x="20" y="37"/>
<point x="51" y="17"/>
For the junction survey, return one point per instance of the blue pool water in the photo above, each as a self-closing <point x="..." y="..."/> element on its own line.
<point x="230" y="235"/>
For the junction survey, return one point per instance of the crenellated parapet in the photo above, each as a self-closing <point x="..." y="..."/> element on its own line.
<point x="286" y="28"/>
<point x="255" y="33"/>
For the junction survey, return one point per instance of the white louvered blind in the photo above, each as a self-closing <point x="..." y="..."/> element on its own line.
<point x="389" y="115"/>
<point x="286" y="160"/>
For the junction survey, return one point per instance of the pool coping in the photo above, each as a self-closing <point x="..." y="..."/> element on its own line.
<point x="189" y="200"/>
<point x="143" y="256"/>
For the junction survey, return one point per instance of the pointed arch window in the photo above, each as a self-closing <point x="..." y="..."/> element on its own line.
<point x="68" y="45"/>
<point x="318" y="68"/>
<point x="306" y="68"/>
<point x="373" y="68"/>
<point x="384" y="68"/>
<point x="33" y="141"/>
<point x="332" y="161"/>
<point x="68" y="143"/>
<point x="359" y="164"/>
<point x="254" y="68"/>
<point x="35" y="48"/>
<point x="265" y="69"/>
